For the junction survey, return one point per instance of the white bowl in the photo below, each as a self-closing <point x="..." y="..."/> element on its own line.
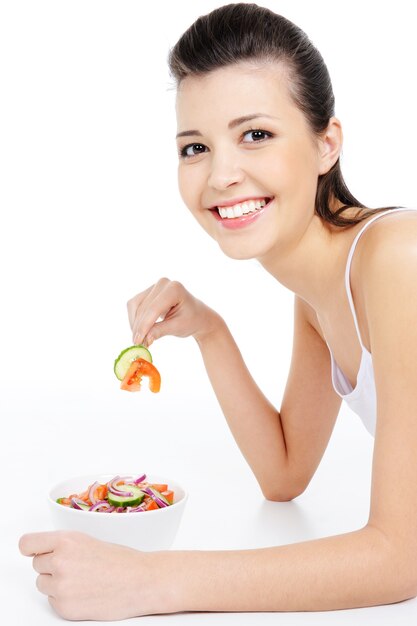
<point x="148" y="530"/>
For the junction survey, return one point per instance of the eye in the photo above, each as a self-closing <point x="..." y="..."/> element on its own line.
<point x="192" y="149"/>
<point x="256" y="135"/>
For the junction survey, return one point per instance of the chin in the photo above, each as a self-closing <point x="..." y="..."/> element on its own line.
<point x="242" y="253"/>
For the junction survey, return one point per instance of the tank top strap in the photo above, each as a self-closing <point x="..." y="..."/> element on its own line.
<point x="349" y="263"/>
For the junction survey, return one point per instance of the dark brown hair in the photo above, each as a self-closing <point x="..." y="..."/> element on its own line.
<point x="240" y="32"/>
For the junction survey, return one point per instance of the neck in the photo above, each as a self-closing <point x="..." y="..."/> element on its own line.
<point x="313" y="266"/>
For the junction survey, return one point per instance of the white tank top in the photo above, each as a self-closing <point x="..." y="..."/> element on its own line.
<point x="361" y="399"/>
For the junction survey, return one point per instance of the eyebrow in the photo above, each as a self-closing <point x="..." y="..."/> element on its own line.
<point x="232" y="124"/>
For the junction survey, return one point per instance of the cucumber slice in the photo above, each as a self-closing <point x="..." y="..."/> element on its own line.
<point x="125" y="501"/>
<point x="126" y="357"/>
<point x="159" y="495"/>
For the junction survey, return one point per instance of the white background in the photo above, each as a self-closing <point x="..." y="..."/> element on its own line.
<point x="90" y="215"/>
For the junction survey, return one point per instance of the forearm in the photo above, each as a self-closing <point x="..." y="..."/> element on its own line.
<point x="357" y="569"/>
<point x="254" y="422"/>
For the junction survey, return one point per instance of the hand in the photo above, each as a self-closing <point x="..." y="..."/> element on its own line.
<point x="87" y="579"/>
<point x="181" y="314"/>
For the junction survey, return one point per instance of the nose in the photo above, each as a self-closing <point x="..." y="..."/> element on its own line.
<point x="225" y="170"/>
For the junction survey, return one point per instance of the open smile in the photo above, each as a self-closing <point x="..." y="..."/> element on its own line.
<point x="241" y="214"/>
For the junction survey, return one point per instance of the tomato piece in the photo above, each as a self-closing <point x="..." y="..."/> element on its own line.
<point x="150" y="506"/>
<point x="159" y="487"/>
<point x="138" y="369"/>
<point x="101" y="492"/>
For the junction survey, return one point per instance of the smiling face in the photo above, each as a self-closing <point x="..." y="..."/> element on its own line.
<point x="249" y="163"/>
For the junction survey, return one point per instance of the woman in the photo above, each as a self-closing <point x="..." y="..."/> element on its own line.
<point x="259" y="149"/>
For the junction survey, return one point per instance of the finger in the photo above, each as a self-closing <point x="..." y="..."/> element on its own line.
<point x="38" y="543"/>
<point x="134" y="303"/>
<point x="161" y="305"/>
<point x="151" y="336"/>
<point x="44" y="583"/>
<point x="142" y="301"/>
<point x="148" y="305"/>
<point x="161" y="329"/>
<point x="42" y="563"/>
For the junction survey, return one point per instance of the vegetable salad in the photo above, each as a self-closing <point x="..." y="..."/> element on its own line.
<point x="121" y="494"/>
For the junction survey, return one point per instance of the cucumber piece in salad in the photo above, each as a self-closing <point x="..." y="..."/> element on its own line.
<point x="158" y="496"/>
<point x="132" y="500"/>
<point x="126" y="358"/>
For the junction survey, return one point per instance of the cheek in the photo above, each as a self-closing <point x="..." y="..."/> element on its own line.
<point x="188" y="186"/>
<point x="297" y="169"/>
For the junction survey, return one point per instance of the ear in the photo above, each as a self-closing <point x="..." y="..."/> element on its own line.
<point x="330" y="145"/>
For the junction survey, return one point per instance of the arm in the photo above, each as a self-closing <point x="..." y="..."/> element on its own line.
<point x="356" y="569"/>
<point x="283" y="448"/>
<point x="88" y="579"/>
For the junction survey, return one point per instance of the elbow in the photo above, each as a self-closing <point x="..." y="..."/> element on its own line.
<point x="284" y="485"/>
<point x="282" y="493"/>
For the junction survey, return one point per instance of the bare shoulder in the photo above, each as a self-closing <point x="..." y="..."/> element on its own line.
<point x="388" y="247"/>
<point x="386" y="276"/>
<point x="391" y="229"/>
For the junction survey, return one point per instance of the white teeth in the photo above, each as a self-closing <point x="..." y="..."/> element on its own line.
<point x="241" y="209"/>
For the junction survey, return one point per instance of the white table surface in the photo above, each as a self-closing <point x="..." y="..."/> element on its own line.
<point x="51" y="434"/>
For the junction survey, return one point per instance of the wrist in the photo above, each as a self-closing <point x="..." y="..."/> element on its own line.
<point x="215" y="325"/>
<point x="164" y="582"/>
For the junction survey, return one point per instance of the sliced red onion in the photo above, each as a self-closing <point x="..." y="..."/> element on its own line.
<point x="118" y="492"/>
<point x="137" y="509"/>
<point x="140" y="479"/>
<point x="100" y="504"/>
<point x="158" y="501"/>
<point x="91" y="492"/>
<point x="76" y="503"/>
<point x="122" y="494"/>
<point x="109" y="510"/>
<point x="120" y="509"/>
